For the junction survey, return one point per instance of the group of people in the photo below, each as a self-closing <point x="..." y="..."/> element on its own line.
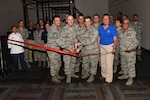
<point x="99" y="41"/>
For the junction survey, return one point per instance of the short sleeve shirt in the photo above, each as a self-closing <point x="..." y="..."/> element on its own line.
<point x="107" y="35"/>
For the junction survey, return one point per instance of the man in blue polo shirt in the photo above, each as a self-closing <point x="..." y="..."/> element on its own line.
<point x="108" y="42"/>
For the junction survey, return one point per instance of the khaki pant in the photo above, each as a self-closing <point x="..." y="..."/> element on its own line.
<point x="30" y="51"/>
<point x="107" y="59"/>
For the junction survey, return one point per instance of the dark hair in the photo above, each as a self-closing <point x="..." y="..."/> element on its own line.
<point x="120" y="12"/>
<point x="47" y="23"/>
<point x="13" y="26"/>
<point x="125" y="16"/>
<point x="119" y="20"/>
<point x="56" y="17"/>
<point x="96" y="15"/>
<point x="135" y="15"/>
<point x="106" y="15"/>
<point x="30" y="21"/>
<point x="67" y="13"/>
<point x="20" y="21"/>
<point x="41" y="19"/>
<point x="87" y="17"/>
<point x="81" y="14"/>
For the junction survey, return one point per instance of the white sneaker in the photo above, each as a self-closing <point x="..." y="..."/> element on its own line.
<point x="123" y="77"/>
<point x="129" y="82"/>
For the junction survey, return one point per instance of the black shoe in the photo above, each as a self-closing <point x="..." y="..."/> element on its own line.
<point x="101" y="78"/>
<point x="106" y="83"/>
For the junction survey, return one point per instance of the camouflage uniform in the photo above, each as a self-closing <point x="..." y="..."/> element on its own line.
<point x="25" y="34"/>
<point x="117" y="54"/>
<point x="39" y="53"/>
<point x="90" y="45"/>
<point x="55" y="58"/>
<point x="66" y="41"/>
<point x="138" y="27"/>
<point x="80" y="32"/>
<point x="63" y="24"/>
<point x="128" y="59"/>
<point x="96" y="25"/>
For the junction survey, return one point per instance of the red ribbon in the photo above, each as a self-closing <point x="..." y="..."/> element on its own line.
<point x="46" y="48"/>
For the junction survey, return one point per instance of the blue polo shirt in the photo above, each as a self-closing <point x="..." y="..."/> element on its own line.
<point x="107" y="35"/>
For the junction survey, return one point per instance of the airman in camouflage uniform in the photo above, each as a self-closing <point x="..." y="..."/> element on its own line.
<point x="67" y="42"/>
<point x="117" y="54"/>
<point x="80" y="27"/>
<point x="55" y="58"/>
<point x="96" y="21"/>
<point x="89" y="40"/>
<point x="64" y="22"/>
<point x="39" y="53"/>
<point x="24" y="32"/>
<point x="96" y="24"/>
<point x="138" y="27"/>
<point x="128" y="44"/>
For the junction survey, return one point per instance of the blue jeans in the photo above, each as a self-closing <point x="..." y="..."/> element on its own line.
<point x="20" y="57"/>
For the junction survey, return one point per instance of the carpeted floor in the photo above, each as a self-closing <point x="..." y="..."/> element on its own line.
<point x="140" y="90"/>
<point x="36" y="84"/>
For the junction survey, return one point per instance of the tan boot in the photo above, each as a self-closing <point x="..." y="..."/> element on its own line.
<point x="60" y="77"/>
<point x="83" y="71"/>
<point x="28" y="65"/>
<point x="115" y="69"/>
<point x="76" y="69"/>
<point x="74" y="75"/>
<point x="139" y="58"/>
<point x="129" y="82"/>
<point x="85" y="75"/>
<point x="123" y="77"/>
<point x="48" y="64"/>
<point x="68" y="80"/>
<point x="55" y="79"/>
<point x="91" y="78"/>
<point x="121" y="72"/>
<point x="44" y="64"/>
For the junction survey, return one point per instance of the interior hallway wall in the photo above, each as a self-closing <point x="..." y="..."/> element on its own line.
<point x="91" y="7"/>
<point x="10" y="12"/>
<point x="129" y="7"/>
